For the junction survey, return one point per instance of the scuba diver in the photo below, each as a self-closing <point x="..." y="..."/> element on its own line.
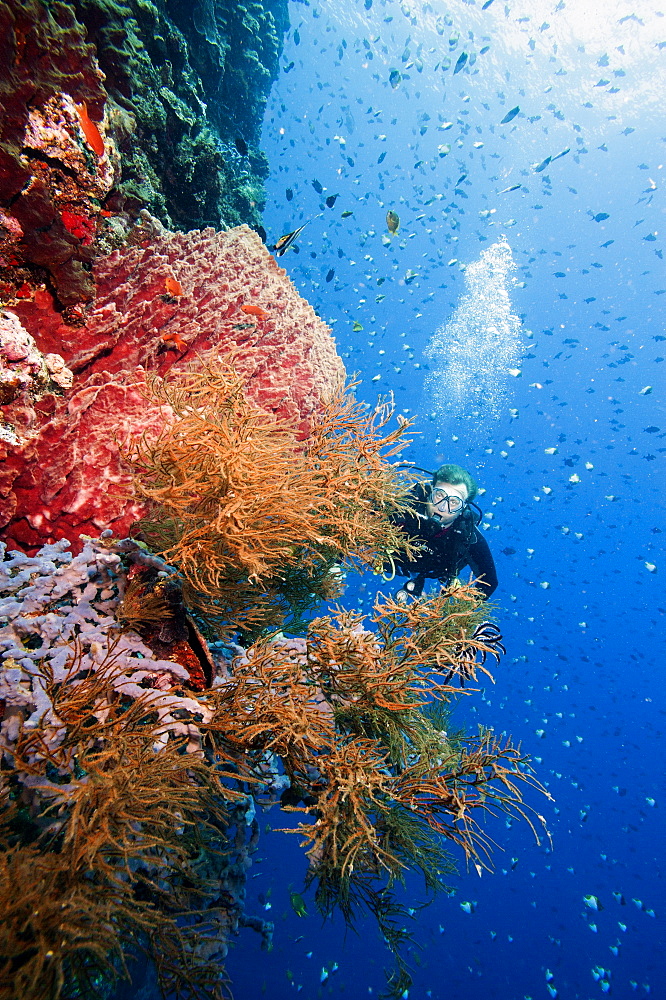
<point x="444" y="525"/>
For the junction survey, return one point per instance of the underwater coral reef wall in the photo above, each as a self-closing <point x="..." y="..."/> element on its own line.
<point x="188" y="82"/>
<point x="108" y="108"/>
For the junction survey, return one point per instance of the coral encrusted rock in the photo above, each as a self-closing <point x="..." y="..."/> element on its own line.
<point x="56" y="166"/>
<point x="158" y="306"/>
<point x="188" y="82"/>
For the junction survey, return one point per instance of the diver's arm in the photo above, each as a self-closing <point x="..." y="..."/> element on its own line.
<point x="482" y="564"/>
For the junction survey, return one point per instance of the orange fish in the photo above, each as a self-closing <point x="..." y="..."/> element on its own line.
<point x="173" y="339"/>
<point x="173" y="287"/>
<point x="90" y="130"/>
<point x="254" y="311"/>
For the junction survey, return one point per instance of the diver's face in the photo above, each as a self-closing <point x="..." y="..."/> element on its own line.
<point x="447" y="502"/>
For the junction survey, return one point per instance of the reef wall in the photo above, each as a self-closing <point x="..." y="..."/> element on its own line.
<point x="188" y="82"/>
<point x="109" y="108"/>
<point x="118" y="119"/>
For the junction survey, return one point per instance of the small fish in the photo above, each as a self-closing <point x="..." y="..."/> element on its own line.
<point x="460" y="63"/>
<point x="486" y="4"/>
<point x="173" y="287"/>
<point x="172" y="339"/>
<point x="240" y="144"/>
<point x="510" y="115"/>
<point x="514" y="187"/>
<point x="331" y="200"/>
<point x="298" y="904"/>
<point x="392" y="221"/>
<point x="282" y="245"/>
<point x="468" y="907"/>
<point x="257" y="311"/>
<point x="357" y="327"/>
<point x="592" y="902"/>
<point x="90" y="130"/>
<point x="346" y="214"/>
<point x="645" y="391"/>
<point x="395" y="78"/>
<point x="558" y="155"/>
<point x="317" y="186"/>
<point x="331" y="274"/>
<point x="540" y="167"/>
<point x="289" y="194"/>
<point x="601" y="216"/>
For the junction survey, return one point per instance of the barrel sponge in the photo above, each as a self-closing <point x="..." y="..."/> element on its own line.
<point x="164" y="302"/>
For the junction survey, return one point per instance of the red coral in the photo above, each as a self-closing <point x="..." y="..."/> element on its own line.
<point x="69" y="478"/>
<point x="79" y="225"/>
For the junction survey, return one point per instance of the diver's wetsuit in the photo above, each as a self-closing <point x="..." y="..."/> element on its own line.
<point x="444" y="551"/>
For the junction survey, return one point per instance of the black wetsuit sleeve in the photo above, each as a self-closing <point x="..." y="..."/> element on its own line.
<point x="481" y="563"/>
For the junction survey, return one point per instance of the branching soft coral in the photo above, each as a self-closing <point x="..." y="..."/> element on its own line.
<point x="344" y="711"/>
<point x="109" y="866"/>
<point x="111" y="829"/>
<point x="356" y="714"/>
<point x="253" y="518"/>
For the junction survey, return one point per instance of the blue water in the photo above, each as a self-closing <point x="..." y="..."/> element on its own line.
<point x="569" y="446"/>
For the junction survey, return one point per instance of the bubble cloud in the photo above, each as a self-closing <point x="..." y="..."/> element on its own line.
<point x="475" y="352"/>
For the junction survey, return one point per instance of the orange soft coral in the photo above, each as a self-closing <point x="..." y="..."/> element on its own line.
<point x="254" y="518"/>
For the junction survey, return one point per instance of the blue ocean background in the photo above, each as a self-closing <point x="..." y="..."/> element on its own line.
<point x="568" y="445"/>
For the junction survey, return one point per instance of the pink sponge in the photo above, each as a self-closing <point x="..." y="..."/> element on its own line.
<point x="158" y="306"/>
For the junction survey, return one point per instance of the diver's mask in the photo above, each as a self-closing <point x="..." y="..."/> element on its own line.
<point x="452" y="504"/>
